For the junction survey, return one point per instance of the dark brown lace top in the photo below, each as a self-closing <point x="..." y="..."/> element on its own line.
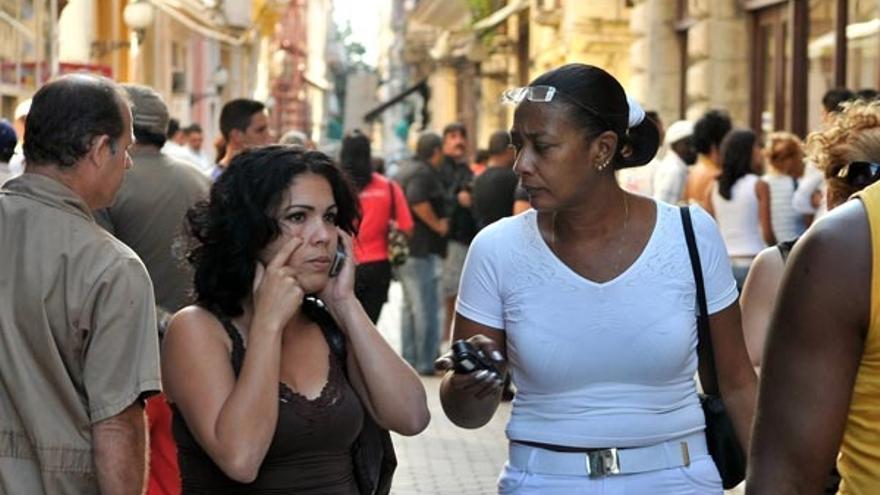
<point x="310" y="452"/>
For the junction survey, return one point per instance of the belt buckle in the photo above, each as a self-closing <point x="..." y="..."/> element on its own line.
<point x="601" y="463"/>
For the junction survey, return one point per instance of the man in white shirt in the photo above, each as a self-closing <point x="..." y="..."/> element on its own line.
<point x="670" y="177"/>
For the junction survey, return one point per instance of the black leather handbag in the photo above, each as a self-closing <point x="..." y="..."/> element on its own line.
<point x="373" y="452"/>
<point x="720" y="436"/>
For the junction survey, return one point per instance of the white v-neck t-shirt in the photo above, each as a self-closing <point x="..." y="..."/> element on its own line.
<point x="598" y="365"/>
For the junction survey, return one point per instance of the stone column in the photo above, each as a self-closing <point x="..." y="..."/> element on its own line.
<point x="443" y="96"/>
<point x="718" y="76"/>
<point x="654" y="56"/>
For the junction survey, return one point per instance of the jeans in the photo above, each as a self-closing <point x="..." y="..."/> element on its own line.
<point x="420" y="314"/>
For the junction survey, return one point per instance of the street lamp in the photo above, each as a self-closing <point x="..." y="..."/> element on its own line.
<point x="138" y="15"/>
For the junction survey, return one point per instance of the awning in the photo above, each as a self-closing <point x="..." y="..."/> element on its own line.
<point x="200" y="24"/>
<point x="495" y="18"/>
<point x="421" y="87"/>
<point x="443" y="14"/>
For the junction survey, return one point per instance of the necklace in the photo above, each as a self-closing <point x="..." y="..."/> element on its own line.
<point x="619" y="254"/>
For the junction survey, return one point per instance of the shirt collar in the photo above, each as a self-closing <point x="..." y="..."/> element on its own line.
<point x="49" y="192"/>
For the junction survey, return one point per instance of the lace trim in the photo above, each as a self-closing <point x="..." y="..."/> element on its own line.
<point x="314" y="410"/>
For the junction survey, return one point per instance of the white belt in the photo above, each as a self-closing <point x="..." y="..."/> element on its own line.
<point x="604" y="462"/>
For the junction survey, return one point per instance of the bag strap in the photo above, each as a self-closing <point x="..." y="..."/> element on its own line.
<point x="708" y="377"/>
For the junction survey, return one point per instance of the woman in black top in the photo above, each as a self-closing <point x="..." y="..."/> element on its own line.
<point x="262" y="402"/>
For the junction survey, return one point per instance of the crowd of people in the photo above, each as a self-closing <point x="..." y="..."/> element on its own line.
<point x="580" y="252"/>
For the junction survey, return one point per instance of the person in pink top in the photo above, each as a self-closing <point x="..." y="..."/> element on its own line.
<point x="382" y="204"/>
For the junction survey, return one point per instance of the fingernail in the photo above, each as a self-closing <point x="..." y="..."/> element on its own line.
<point x="481" y="374"/>
<point x="496" y="355"/>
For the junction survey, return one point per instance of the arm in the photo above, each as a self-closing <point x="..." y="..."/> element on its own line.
<point x="232" y="419"/>
<point x="802" y="200"/>
<point x="737" y="382"/>
<point x="758" y="299"/>
<point x="120" y="451"/>
<point x="706" y="202"/>
<point x="809" y="371"/>
<point x="762" y="190"/>
<point x="389" y="388"/>
<point x="471" y="400"/>
<point x="402" y="216"/>
<point x="426" y="214"/>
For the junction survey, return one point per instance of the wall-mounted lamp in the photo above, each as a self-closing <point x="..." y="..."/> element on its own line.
<point x="218" y="79"/>
<point x="138" y="16"/>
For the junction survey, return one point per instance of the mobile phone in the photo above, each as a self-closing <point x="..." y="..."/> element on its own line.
<point x="338" y="259"/>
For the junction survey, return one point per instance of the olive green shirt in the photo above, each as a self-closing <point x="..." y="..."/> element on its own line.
<point x="78" y="339"/>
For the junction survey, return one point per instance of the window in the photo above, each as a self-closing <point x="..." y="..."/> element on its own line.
<point x="771" y="70"/>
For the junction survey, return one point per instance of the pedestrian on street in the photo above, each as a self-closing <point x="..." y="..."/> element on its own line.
<point x="458" y="179"/>
<point x="79" y="352"/>
<point x="243" y="125"/>
<point x="8" y="143"/>
<point x="820" y="385"/>
<point x="672" y="171"/>
<point x="589" y="301"/>
<point x="740" y="201"/>
<point x="784" y="153"/>
<point x="709" y="131"/>
<point x="383" y="206"/>
<point x="493" y="190"/>
<point x="275" y="370"/>
<point x="422" y="182"/>
<point x="148" y="217"/>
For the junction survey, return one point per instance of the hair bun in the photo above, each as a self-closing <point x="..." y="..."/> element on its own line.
<point x="643" y="140"/>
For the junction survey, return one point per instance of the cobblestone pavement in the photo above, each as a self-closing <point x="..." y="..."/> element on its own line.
<point x="446" y="459"/>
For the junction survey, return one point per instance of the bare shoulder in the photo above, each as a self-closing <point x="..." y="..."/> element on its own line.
<point x="194" y="327"/>
<point x="769" y="260"/>
<point x="831" y="263"/>
<point x="840" y="238"/>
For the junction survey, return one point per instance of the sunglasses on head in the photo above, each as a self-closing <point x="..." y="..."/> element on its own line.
<point x="546" y="94"/>
<point x="860" y="173"/>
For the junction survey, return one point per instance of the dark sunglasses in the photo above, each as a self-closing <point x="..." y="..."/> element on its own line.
<point x="860" y="174"/>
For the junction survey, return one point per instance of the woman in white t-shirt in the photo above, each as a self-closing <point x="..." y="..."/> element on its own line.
<point x="740" y="201"/>
<point x="588" y="299"/>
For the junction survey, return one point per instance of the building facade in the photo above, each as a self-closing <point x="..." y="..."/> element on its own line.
<point x="767" y="61"/>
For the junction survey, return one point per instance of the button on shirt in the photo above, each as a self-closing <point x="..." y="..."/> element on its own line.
<point x="78" y="340"/>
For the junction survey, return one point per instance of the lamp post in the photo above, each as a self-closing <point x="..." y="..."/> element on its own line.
<point x="138" y="15"/>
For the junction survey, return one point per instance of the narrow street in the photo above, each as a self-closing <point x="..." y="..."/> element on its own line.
<point x="444" y="459"/>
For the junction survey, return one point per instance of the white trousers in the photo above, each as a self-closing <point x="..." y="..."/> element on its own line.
<point x="700" y="478"/>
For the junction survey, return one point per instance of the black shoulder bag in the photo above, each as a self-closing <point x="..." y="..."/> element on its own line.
<point x="373" y="452"/>
<point x="720" y="435"/>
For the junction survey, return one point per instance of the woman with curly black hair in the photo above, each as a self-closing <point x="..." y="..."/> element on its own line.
<point x="262" y="402"/>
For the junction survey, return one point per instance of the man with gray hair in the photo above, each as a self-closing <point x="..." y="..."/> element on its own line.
<point x="78" y="346"/>
<point x="422" y="182"/>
